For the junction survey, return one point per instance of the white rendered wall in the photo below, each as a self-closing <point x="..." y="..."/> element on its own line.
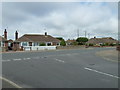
<point x="36" y="48"/>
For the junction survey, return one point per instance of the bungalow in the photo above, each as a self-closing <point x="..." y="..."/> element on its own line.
<point x="4" y="42"/>
<point x="101" y="41"/>
<point x="70" y="42"/>
<point x="34" y="40"/>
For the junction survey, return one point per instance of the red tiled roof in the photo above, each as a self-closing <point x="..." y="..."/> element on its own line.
<point x="37" y="38"/>
<point x="2" y="39"/>
<point x="102" y="40"/>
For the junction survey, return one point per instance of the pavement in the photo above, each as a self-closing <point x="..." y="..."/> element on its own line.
<point x="77" y="68"/>
<point x="111" y="55"/>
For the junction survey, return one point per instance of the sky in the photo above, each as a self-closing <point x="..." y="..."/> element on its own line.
<point x="61" y="19"/>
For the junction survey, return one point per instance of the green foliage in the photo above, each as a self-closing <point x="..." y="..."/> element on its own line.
<point x="112" y="44"/>
<point x="80" y="43"/>
<point x="102" y="44"/>
<point x="60" y="38"/>
<point x="82" y="39"/>
<point x="90" y="44"/>
<point x="63" y="43"/>
<point x="42" y="44"/>
<point x="74" y="43"/>
<point x="106" y="44"/>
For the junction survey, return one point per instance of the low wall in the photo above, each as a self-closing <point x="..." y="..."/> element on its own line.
<point x="36" y="48"/>
<point x="71" y="47"/>
<point x="3" y="49"/>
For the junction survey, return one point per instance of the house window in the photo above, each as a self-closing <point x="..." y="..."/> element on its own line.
<point x="36" y="44"/>
<point x="24" y="44"/>
<point x="49" y="43"/>
<point x="58" y="43"/>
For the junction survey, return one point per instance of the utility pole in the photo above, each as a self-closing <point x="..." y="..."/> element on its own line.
<point x="85" y="33"/>
<point x="78" y="33"/>
<point x="88" y="35"/>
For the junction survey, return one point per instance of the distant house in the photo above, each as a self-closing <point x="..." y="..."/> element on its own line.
<point x="37" y="40"/>
<point x="100" y="41"/>
<point x="70" y="42"/>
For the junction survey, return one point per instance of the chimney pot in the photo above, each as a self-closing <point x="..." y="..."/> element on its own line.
<point x="16" y="35"/>
<point x="45" y="33"/>
<point x="5" y="34"/>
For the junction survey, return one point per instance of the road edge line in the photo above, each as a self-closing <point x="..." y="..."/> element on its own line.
<point x="10" y="82"/>
<point x="89" y="69"/>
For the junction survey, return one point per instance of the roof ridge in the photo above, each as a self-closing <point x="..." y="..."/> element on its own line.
<point x="33" y="34"/>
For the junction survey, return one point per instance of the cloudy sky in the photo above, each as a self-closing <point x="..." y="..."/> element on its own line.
<point x="63" y="19"/>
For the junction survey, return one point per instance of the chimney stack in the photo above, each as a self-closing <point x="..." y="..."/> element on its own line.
<point x="45" y="33"/>
<point x="5" y="34"/>
<point x="16" y="35"/>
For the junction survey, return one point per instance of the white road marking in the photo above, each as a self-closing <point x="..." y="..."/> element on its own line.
<point x="10" y="82"/>
<point x="60" y="60"/>
<point x="6" y="60"/>
<point x="26" y="58"/>
<point x="102" y="73"/>
<point x="17" y="59"/>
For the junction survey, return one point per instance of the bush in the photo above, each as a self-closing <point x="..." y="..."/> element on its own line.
<point x="90" y="44"/>
<point x="102" y="44"/>
<point x="112" y="44"/>
<point x="74" y="43"/>
<point x="80" y="43"/>
<point x="106" y="44"/>
<point x="42" y="44"/>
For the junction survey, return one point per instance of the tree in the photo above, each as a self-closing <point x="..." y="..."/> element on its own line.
<point x="60" y="38"/>
<point x="82" y="40"/>
<point x="63" y="43"/>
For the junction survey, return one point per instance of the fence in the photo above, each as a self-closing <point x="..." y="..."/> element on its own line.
<point x="36" y="48"/>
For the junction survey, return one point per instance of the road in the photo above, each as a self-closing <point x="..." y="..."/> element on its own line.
<point x="80" y="68"/>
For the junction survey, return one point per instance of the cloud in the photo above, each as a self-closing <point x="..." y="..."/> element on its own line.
<point x="61" y="19"/>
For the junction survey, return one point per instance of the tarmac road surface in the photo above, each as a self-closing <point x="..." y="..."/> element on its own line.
<point x="78" y="68"/>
